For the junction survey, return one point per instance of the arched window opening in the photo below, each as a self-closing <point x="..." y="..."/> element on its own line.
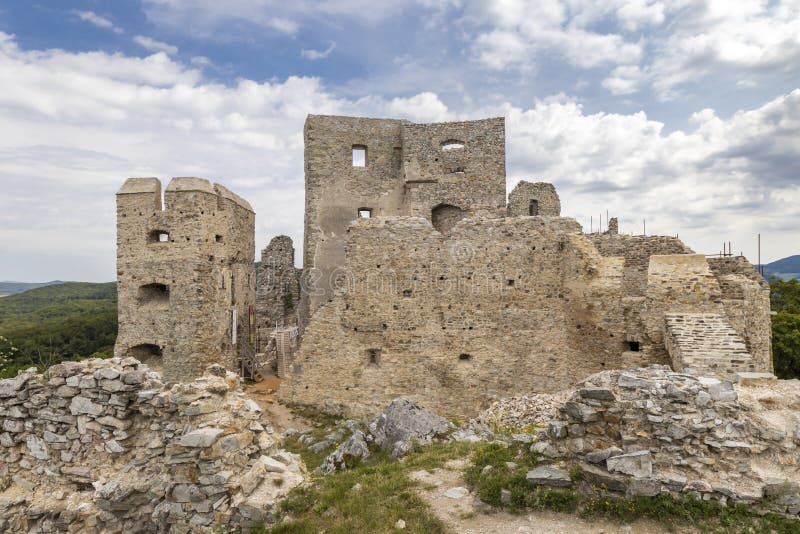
<point x="149" y="354"/>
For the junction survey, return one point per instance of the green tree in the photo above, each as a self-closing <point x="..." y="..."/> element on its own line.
<point x="785" y="300"/>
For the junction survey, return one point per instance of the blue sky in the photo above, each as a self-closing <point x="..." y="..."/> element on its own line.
<point x="686" y="113"/>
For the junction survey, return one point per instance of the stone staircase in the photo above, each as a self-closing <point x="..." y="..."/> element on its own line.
<point x="707" y="344"/>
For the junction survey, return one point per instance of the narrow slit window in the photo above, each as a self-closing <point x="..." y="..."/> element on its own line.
<point x="359" y="156"/>
<point x="373" y="357"/>
<point x="364" y="213"/>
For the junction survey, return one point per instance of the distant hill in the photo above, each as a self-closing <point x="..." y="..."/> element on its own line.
<point x="12" y="288"/>
<point x="784" y="268"/>
<point x="59" y="322"/>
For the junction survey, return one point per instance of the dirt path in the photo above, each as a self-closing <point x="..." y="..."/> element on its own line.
<point x="275" y="414"/>
<point x="464" y="517"/>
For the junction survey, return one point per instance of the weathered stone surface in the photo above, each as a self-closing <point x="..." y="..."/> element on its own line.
<point x="354" y="449"/>
<point x="128" y="462"/>
<point x="82" y="405"/>
<point x="202" y="437"/>
<point x="548" y="476"/>
<point x="405" y="423"/>
<point x="637" y="464"/>
<point x="458" y="492"/>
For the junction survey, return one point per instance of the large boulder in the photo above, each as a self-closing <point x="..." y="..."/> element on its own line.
<point x="404" y="423"/>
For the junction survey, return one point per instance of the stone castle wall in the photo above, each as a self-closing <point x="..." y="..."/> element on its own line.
<point x="183" y="272"/>
<point x="428" y="170"/>
<point x="277" y="289"/>
<point x="104" y="446"/>
<point x="498" y="307"/>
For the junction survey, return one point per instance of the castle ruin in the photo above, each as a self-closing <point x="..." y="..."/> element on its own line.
<point x="185" y="275"/>
<point x="420" y="280"/>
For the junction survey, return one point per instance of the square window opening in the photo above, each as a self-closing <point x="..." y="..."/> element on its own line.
<point x="634" y="346"/>
<point x="364" y="213"/>
<point x="359" y="156"/>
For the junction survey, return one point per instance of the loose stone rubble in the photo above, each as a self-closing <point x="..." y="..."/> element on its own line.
<point x="103" y="445"/>
<point x="402" y="425"/>
<point x="651" y="430"/>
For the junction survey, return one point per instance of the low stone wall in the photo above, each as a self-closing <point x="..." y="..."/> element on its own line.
<point x="649" y="431"/>
<point x="103" y="445"/>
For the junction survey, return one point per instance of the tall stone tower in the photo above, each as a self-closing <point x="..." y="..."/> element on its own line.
<point x="185" y="275"/>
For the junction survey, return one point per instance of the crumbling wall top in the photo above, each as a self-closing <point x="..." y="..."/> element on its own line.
<point x="233" y="197"/>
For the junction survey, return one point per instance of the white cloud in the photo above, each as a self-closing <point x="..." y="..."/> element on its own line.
<point x="77" y="124"/>
<point x="155" y="46"/>
<point x="318" y="54"/>
<point x="101" y="22"/>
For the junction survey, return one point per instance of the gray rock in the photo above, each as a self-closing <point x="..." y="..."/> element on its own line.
<point x="602" y="478"/>
<point x="549" y="476"/>
<point x="202" y="437"/>
<point x="637" y="464"/>
<point x="626" y="380"/>
<point x="10" y="386"/>
<point x="37" y="447"/>
<point x="106" y="373"/>
<point x="114" y="447"/>
<point x="352" y="450"/>
<point x="601" y="394"/>
<point x="646" y="487"/>
<point x="405" y="422"/>
<point x="557" y="429"/>
<point x="505" y="496"/>
<point x="50" y="437"/>
<point x="581" y="412"/>
<point x="456" y="493"/>
<point x="82" y="405"/>
<point x="596" y="457"/>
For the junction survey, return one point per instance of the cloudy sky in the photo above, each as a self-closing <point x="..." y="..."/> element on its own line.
<point x="684" y="113"/>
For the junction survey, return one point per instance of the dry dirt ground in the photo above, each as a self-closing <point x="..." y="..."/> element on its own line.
<point x="275" y="414"/>
<point x="464" y="517"/>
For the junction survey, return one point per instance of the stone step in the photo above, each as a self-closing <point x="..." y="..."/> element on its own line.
<point x="707" y="344"/>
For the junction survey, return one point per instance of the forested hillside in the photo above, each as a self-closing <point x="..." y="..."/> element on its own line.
<point x="50" y="324"/>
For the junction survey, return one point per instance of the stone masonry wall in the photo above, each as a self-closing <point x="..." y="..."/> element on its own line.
<point x="182" y="272"/>
<point x="637" y="249"/>
<point x="104" y="446"/>
<point x="410" y="169"/>
<point x="745" y="298"/>
<point x="540" y="197"/>
<point x="277" y="289"/>
<point x="500" y="307"/>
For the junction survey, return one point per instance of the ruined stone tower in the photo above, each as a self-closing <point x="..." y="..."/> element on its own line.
<point x="185" y="273"/>
<point x="363" y="168"/>
<point x="277" y="289"/>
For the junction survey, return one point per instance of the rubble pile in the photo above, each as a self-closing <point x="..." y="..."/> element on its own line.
<point x="651" y="430"/>
<point x="104" y="445"/>
<point x="524" y="411"/>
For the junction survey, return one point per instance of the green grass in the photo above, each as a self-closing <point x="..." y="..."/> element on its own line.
<point x="387" y="494"/>
<point x="672" y="513"/>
